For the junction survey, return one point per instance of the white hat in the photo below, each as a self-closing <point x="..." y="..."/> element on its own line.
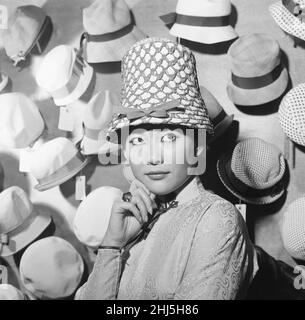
<point x="55" y="162"/>
<point x="51" y="268"/>
<point x="64" y="74"/>
<point x="20" y="224"/>
<point x="21" y="123"/>
<point x="93" y="214"/>
<point x="9" y="292"/>
<point x="204" y="21"/>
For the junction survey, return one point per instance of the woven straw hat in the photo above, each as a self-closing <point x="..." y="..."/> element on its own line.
<point x="258" y="75"/>
<point x="110" y="31"/>
<point x="292" y="114"/>
<point x="289" y="15"/>
<point x="160" y="86"/>
<point x="253" y="172"/>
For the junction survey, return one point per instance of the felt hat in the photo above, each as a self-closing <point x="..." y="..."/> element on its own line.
<point x="54" y="162"/>
<point x="93" y="214"/>
<point x="21" y="123"/>
<point x="64" y="74"/>
<point x="160" y="86"/>
<point x="26" y="26"/>
<point x="290" y="16"/>
<point x="51" y="268"/>
<point x="109" y="31"/>
<point x="9" y="292"/>
<point x="253" y="172"/>
<point x="258" y="75"/>
<point x="203" y="21"/>
<point x="20" y="223"/>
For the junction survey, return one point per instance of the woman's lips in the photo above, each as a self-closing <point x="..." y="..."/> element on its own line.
<point x="157" y="175"/>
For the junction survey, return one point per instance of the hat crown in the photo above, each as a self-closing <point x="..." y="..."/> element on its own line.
<point x="257" y="164"/>
<point x="206" y="8"/>
<point x="106" y="16"/>
<point x="212" y="105"/>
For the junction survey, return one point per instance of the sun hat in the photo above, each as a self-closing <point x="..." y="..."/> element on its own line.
<point x="204" y="21"/>
<point x="9" y="292"/>
<point x="54" y="162"/>
<point x="21" y="123"/>
<point x="110" y="31"/>
<point x="26" y="26"/>
<point x="290" y="16"/>
<point x="253" y="172"/>
<point x="160" y="86"/>
<point x="64" y="74"/>
<point x="51" y="268"/>
<point x="20" y="223"/>
<point x="258" y="75"/>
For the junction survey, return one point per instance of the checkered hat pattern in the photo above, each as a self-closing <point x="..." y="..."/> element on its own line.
<point x="156" y="71"/>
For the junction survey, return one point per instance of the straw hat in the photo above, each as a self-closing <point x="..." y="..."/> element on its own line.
<point x="64" y="74"/>
<point x="253" y="172"/>
<point x="258" y="75"/>
<point x="110" y="31"/>
<point x="9" y="292"/>
<point x="20" y="224"/>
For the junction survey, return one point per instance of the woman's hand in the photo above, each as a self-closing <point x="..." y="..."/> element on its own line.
<point x="127" y="218"/>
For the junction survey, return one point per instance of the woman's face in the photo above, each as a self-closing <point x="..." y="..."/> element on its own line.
<point x="160" y="158"/>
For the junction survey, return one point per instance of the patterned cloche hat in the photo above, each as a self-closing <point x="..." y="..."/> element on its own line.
<point x="160" y="86"/>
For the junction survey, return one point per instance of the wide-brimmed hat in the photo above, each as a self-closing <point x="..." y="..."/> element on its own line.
<point x="93" y="215"/>
<point x="160" y="86"/>
<point x="109" y="31"/>
<point x="64" y="74"/>
<point x="51" y="268"/>
<point x="253" y="172"/>
<point x="204" y="21"/>
<point x="290" y="16"/>
<point x="26" y="26"/>
<point x="21" y="123"/>
<point x="292" y="114"/>
<point x="54" y="162"/>
<point x="20" y="223"/>
<point x="9" y="292"/>
<point x="258" y="75"/>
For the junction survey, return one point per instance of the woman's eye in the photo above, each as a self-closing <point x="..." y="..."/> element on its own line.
<point x="136" y="141"/>
<point x="169" y="137"/>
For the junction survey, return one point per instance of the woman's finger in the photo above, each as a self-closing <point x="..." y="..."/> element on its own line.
<point x="141" y="205"/>
<point x="138" y="184"/>
<point x="133" y="209"/>
<point x="146" y="199"/>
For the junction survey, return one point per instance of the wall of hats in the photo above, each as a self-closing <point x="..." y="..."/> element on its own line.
<point x="60" y="81"/>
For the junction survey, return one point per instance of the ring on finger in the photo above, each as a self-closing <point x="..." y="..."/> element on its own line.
<point x="127" y="196"/>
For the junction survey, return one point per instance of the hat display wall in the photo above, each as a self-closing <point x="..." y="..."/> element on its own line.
<point x="20" y="224"/>
<point x="25" y="26"/>
<point x="258" y="75"/>
<point x="93" y="215"/>
<point x="9" y="292"/>
<point x="54" y="162"/>
<point x="253" y="172"/>
<point x="160" y="86"/>
<point x="290" y="16"/>
<point x="203" y="21"/>
<point x="109" y="31"/>
<point x="64" y="74"/>
<point x="21" y="123"/>
<point x="51" y="268"/>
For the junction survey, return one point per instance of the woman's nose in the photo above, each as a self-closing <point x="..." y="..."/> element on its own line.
<point x="156" y="155"/>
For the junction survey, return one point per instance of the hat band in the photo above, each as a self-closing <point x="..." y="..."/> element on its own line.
<point x="220" y="117"/>
<point x="257" y="82"/>
<point x="91" y="133"/>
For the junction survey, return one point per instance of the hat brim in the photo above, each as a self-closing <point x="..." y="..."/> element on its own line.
<point x="255" y="97"/>
<point x="112" y="50"/>
<point x="30" y="233"/>
<point x="221" y="128"/>
<point x="207" y="35"/>
<point x="90" y="146"/>
<point x="82" y="86"/>
<point x="4" y="81"/>
<point x="222" y="165"/>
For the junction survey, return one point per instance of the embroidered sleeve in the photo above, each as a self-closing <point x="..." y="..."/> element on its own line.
<point x="219" y="256"/>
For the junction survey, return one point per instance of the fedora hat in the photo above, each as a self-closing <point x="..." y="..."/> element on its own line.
<point x="21" y="123"/>
<point x="290" y="16"/>
<point x="109" y="31"/>
<point x="9" y="292"/>
<point x="20" y="223"/>
<point x="160" y="86"/>
<point x="258" y="75"/>
<point x="203" y="21"/>
<point x="292" y="114"/>
<point x="220" y="120"/>
<point x="54" y="162"/>
<point x="51" y="268"/>
<point x="64" y="74"/>
<point x="26" y="26"/>
<point x="253" y="172"/>
<point x="93" y="215"/>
